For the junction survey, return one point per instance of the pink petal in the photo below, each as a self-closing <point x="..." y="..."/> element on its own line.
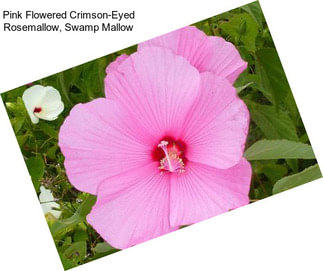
<point x="202" y="192"/>
<point x="217" y="125"/>
<point x="156" y="86"/>
<point x="113" y="66"/>
<point x="132" y="207"/>
<point x="206" y="53"/>
<point x="99" y="140"/>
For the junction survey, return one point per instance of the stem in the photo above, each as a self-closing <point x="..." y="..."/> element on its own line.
<point x="45" y="142"/>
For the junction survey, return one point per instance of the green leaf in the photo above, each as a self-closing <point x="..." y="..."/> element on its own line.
<point x="307" y="175"/>
<point x="11" y="107"/>
<point x="76" y="252"/>
<point x="274" y="124"/>
<point x="67" y="242"/>
<point x="51" y="152"/>
<point x="80" y="235"/>
<point x="20" y="108"/>
<point x="36" y="168"/>
<point x="242" y="27"/>
<point x="68" y="264"/>
<point x="279" y="149"/>
<point x="274" y="172"/>
<point x="72" y="75"/>
<point x="274" y="83"/>
<point x="22" y="139"/>
<point x="48" y="129"/>
<point x="79" y="216"/>
<point x="17" y="123"/>
<point x="93" y="75"/>
<point x="292" y="107"/>
<point x="255" y="12"/>
<point x="103" y="248"/>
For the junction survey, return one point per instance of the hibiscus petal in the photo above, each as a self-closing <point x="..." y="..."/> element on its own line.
<point x="99" y="140"/>
<point x="132" y="207"/>
<point x="51" y="100"/>
<point x="206" y="53"/>
<point x="32" y="97"/>
<point x="113" y="66"/>
<point x="156" y="86"/>
<point x="202" y="192"/>
<point x="217" y="125"/>
<point x="53" y="113"/>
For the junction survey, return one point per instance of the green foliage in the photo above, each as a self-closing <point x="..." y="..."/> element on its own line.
<point x="36" y="170"/>
<point x="254" y="10"/>
<point x="76" y="251"/>
<point x="279" y="149"/>
<point x="274" y="83"/>
<point x="79" y="216"/>
<point x="242" y="28"/>
<point x="274" y="125"/>
<point x="277" y="144"/>
<point x="307" y="175"/>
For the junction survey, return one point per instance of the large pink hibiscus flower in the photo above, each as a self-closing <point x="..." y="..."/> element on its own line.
<point x="164" y="149"/>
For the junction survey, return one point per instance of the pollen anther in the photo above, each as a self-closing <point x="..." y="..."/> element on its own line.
<point x="172" y="161"/>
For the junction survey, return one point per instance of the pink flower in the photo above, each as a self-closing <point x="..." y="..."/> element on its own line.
<point x="206" y="53"/>
<point x="164" y="149"/>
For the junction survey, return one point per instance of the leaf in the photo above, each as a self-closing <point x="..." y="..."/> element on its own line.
<point x="93" y="75"/>
<point x="255" y="12"/>
<point x="274" y="83"/>
<point x="12" y="107"/>
<point x="279" y="149"/>
<point x="242" y="27"/>
<point x="78" y="217"/>
<point x="274" y="124"/>
<point x="76" y="251"/>
<point x="292" y="107"/>
<point x="22" y="139"/>
<point x="307" y="175"/>
<point x="68" y="264"/>
<point x="17" y="123"/>
<point x="48" y="129"/>
<point x="80" y="235"/>
<point x="72" y="75"/>
<point x="36" y="170"/>
<point x="103" y="248"/>
<point x="274" y="172"/>
<point x="20" y="109"/>
<point x="66" y="244"/>
<point x="51" y="152"/>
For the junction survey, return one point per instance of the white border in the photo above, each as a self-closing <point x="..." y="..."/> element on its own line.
<point x="283" y="232"/>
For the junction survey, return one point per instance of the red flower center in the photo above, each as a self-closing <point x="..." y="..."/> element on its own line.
<point x="170" y="153"/>
<point x="37" y="109"/>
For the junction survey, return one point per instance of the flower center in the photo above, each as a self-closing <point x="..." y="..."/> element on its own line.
<point x="170" y="154"/>
<point x="37" y="109"/>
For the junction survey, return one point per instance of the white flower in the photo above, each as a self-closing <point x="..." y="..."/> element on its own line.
<point x="42" y="103"/>
<point x="47" y="203"/>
